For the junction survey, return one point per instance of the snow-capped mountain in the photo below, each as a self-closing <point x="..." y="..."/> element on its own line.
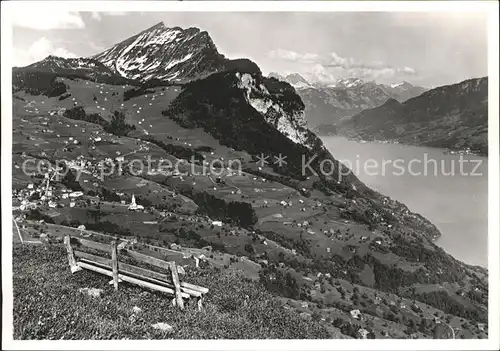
<point x="297" y="81"/>
<point x="173" y="54"/>
<point x="348" y="83"/>
<point x="403" y="91"/>
<point x="327" y="104"/>
<point x="294" y="79"/>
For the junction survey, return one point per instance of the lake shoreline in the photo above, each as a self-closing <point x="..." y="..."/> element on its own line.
<point x="455" y="203"/>
<point x="446" y="150"/>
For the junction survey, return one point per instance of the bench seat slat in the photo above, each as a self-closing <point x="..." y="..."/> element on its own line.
<point x="136" y="272"/>
<point x="129" y="279"/>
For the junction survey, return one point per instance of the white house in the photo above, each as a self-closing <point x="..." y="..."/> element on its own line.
<point x="355" y="314"/>
<point x="363" y="333"/>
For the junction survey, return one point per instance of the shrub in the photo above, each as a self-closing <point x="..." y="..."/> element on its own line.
<point x="36" y="215"/>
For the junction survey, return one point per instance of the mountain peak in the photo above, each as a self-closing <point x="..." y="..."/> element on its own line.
<point x="350" y="82"/>
<point x="295" y="77"/>
<point x="157" y="26"/>
<point x="276" y="75"/>
<point x="297" y="81"/>
<point x="402" y="85"/>
<point x="160" y="52"/>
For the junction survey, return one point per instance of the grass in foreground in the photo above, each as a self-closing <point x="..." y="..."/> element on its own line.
<point x="48" y="305"/>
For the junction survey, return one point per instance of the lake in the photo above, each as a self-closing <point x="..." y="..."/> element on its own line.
<point x="449" y="190"/>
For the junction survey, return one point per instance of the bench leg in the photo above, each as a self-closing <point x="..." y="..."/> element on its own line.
<point x="113" y="281"/>
<point x="75" y="269"/>
<point x="71" y="256"/>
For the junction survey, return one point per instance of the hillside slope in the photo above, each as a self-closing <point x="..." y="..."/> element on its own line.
<point x="453" y="117"/>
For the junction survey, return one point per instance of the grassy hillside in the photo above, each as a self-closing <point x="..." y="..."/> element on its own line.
<point x="48" y="305"/>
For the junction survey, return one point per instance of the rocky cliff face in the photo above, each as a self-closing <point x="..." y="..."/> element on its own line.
<point x="287" y="120"/>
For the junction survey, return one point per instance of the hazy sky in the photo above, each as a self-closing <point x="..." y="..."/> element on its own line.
<point x="428" y="49"/>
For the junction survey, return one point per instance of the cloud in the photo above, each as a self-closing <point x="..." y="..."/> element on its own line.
<point x="116" y="13"/>
<point x="330" y="67"/>
<point x="96" y="16"/>
<point x="319" y="73"/>
<point x="409" y="70"/>
<point x="39" y="50"/>
<point x="290" y="55"/>
<point x="46" y="19"/>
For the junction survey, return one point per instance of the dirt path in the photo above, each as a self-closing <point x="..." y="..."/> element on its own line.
<point x="20" y="236"/>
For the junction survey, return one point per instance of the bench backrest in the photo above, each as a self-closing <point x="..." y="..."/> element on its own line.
<point x="168" y="281"/>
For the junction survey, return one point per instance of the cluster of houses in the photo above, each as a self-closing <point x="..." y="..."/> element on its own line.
<point x="57" y="111"/>
<point x="30" y="108"/>
<point x="44" y="194"/>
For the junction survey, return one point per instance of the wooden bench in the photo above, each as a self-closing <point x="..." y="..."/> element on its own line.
<point x="167" y="282"/>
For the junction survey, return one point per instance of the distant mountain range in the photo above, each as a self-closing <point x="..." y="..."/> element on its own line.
<point x="452" y="116"/>
<point x="328" y="104"/>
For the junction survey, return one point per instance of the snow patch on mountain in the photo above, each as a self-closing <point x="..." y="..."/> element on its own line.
<point x="397" y="85"/>
<point x="294" y="79"/>
<point x="349" y="82"/>
<point x="176" y="62"/>
<point x="301" y="85"/>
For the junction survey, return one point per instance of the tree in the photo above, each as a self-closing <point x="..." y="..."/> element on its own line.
<point x="249" y="248"/>
<point x="117" y="126"/>
<point x="337" y="322"/>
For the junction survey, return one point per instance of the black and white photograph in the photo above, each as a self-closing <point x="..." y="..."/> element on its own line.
<point x="254" y="174"/>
